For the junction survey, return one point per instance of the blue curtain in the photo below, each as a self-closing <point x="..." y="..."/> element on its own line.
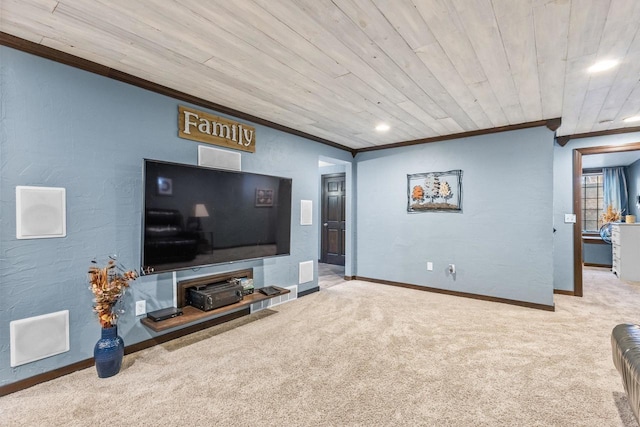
<point x="615" y="189"/>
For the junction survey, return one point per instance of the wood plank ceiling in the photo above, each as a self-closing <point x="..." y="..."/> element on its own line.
<point x="337" y="68"/>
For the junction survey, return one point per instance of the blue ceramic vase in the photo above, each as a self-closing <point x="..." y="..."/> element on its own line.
<point x="108" y="352"/>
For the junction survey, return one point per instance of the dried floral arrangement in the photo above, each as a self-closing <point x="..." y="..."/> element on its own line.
<point x="108" y="285"/>
<point x="610" y="215"/>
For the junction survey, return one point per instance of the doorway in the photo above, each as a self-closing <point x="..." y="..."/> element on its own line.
<point x="333" y="234"/>
<point x="577" y="206"/>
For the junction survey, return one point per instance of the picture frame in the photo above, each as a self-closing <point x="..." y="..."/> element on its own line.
<point x="264" y="197"/>
<point x="434" y="192"/>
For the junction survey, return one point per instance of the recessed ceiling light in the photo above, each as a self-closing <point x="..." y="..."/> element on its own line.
<point x="603" y="65"/>
<point x="632" y="119"/>
<point x="383" y="127"/>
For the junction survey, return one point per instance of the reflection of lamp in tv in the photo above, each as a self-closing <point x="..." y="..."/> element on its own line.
<point x="200" y="211"/>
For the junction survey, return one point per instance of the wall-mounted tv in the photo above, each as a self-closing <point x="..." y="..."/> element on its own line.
<point x="195" y="216"/>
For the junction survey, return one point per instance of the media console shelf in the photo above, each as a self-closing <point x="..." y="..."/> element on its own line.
<point x="191" y="314"/>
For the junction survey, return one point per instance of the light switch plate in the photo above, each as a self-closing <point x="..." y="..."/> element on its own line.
<point x="569" y="218"/>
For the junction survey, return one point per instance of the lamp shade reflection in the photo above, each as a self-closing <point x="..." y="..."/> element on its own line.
<point x="200" y="211"/>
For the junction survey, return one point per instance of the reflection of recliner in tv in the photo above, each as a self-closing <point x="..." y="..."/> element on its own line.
<point x="165" y="238"/>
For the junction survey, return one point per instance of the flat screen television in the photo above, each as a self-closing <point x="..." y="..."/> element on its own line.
<point x="195" y="216"/>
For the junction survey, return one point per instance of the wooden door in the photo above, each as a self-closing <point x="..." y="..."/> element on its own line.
<point x="333" y="219"/>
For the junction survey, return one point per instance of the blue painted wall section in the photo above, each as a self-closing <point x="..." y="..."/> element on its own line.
<point x="597" y="254"/>
<point x="633" y="182"/>
<point x="501" y="243"/>
<point x="63" y="127"/>
<point x="563" y="202"/>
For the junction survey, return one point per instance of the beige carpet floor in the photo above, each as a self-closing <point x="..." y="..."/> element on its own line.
<point x="364" y="354"/>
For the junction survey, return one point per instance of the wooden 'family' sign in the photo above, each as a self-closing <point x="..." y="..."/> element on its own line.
<point x="204" y="127"/>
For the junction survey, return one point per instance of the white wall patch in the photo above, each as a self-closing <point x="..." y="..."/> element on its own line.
<point x="305" y="272"/>
<point x="306" y="212"/>
<point x="35" y="338"/>
<point x="219" y="159"/>
<point x="40" y="212"/>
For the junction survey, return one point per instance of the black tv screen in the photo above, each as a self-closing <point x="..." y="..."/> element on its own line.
<point x="196" y="216"/>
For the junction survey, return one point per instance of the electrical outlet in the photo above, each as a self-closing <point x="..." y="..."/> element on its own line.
<point x="141" y="307"/>
<point x="569" y="218"/>
<point x="429" y="266"/>
<point x="452" y="268"/>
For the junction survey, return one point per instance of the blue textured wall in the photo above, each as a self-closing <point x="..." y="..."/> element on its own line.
<point x="633" y="185"/>
<point x="501" y="243"/>
<point x="597" y="253"/>
<point x="563" y="202"/>
<point x="63" y="127"/>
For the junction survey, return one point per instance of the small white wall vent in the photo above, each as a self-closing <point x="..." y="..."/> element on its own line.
<point x="272" y="302"/>
<point x="40" y="212"/>
<point x="286" y="297"/>
<point x="305" y="272"/>
<point x="35" y="338"/>
<point x="306" y="212"/>
<point x="218" y="159"/>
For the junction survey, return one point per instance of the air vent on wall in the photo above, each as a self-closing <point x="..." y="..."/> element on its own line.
<point x="272" y="302"/>
<point x="37" y="337"/>
<point x="306" y="212"/>
<point x="218" y="159"/>
<point x="306" y="272"/>
<point x="40" y="212"/>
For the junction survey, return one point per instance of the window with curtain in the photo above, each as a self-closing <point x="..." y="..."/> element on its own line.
<point x="592" y="201"/>
<point x="615" y="189"/>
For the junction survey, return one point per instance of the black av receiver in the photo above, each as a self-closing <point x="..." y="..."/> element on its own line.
<point x="210" y="297"/>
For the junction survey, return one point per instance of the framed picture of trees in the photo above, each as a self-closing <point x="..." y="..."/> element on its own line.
<point x="435" y="191"/>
